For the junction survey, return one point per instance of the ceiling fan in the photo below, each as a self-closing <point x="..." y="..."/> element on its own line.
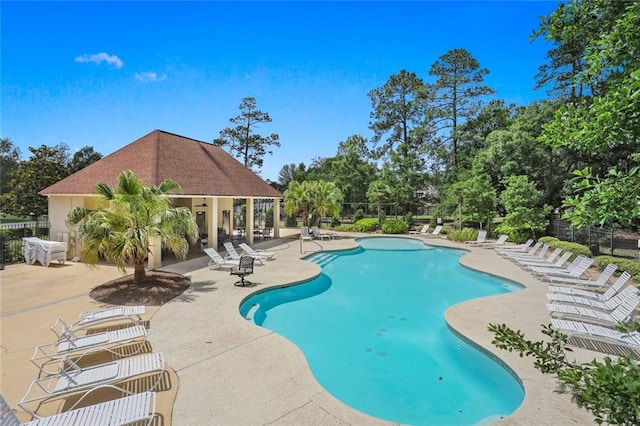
<point x="204" y="204"/>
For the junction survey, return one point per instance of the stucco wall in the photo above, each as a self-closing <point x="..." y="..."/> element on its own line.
<point x="59" y="208"/>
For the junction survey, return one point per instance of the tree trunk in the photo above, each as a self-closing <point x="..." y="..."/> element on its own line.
<point x="139" y="272"/>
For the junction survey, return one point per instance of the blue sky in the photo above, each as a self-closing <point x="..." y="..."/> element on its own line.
<point x="104" y="74"/>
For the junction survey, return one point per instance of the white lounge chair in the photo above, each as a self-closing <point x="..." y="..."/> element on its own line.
<point x="538" y="256"/>
<point x="435" y="233"/>
<point x="217" y="261"/>
<point x="543" y="261"/>
<point x="70" y="344"/>
<point x="591" y="293"/>
<point x="136" y="408"/>
<point x="629" y="302"/>
<point x="605" y="305"/>
<point x="72" y="379"/>
<point x="601" y="336"/>
<point x="527" y="254"/>
<point x="500" y="242"/>
<point x="601" y="281"/>
<point x="115" y="313"/>
<point x="250" y="251"/>
<point x="576" y="272"/>
<point x="315" y="230"/>
<point x="541" y="270"/>
<point x="235" y="256"/>
<point x="424" y="230"/>
<point x="515" y="248"/>
<point x="552" y="260"/>
<point x="482" y="238"/>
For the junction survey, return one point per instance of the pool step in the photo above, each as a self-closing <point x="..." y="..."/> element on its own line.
<point x="323" y="259"/>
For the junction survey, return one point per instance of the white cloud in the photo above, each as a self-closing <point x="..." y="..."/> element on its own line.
<point x="146" y="77"/>
<point x="98" y="58"/>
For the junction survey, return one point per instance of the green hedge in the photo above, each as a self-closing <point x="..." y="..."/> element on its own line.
<point x="394" y="226"/>
<point x="629" y="265"/>
<point x="366" y="225"/>
<point x="346" y="227"/>
<point x="574" y="248"/>
<point x="464" y="234"/>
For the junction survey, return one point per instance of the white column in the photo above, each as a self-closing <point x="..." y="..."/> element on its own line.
<point x="249" y="220"/>
<point x="276" y="218"/>
<point x="212" y="221"/>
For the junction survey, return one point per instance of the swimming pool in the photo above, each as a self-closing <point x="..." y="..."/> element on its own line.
<point x="372" y="328"/>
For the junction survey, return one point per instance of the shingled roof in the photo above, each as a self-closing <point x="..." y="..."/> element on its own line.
<point x="200" y="168"/>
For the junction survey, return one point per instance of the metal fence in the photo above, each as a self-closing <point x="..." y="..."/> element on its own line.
<point x="11" y="235"/>
<point x="601" y="241"/>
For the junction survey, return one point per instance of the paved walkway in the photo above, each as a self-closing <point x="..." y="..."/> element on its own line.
<point x="228" y="371"/>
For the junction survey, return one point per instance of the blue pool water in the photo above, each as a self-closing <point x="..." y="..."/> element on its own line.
<point x="373" y="331"/>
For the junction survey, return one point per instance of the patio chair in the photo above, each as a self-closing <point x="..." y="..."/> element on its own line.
<point x="629" y="301"/>
<point x="601" y="281"/>
<point x="250" y="251"/>
<point x="242" y="270"/>
<point x="482" y="238"/>
<point x="68" y="343"/>
<point x="305" y="234"/>
<point x="592" y="293"/>
<point x="601" y="338"/>
<point x="217" y="261"/>
<point x="315" y="230"/>
<point x="73" y="379"/>
<point x="136" y="408"/>
<point x="115" y="313"/>
<point x="435" y="233"/>
<point x="235" y="256"/>
<point x="424" y="230"/>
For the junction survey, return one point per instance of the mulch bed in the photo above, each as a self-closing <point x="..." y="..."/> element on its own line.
<point x="157" y="289"/>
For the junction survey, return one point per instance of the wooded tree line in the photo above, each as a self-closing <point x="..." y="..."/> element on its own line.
<point x="576" y="150"/>
<point x="21" y="180"/>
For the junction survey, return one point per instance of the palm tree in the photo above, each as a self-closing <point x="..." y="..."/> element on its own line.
<point x="297" y="200"/>
<point x="378" y="192"/>
<point x="327" y="199"/>
<point x="128" y="218"/>
<point x="310" y="198"/>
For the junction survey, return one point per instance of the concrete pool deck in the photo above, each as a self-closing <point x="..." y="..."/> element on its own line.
<point x="224" y="370"/>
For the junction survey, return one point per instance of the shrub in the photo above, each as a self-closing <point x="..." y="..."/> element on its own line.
<point x="394" y="226"/>
<point x="358" y="215"/>
<point x="366" y="225"/>
<point x="291" y="222"/>
<point x="268" y="218"/>
<point x="629" y="265"/>
<point x="346" y="227"/>
<point x="548" y="240"/>
<point x="408" y="218"/>
<point x="517" y="235"/>
<point x="464" y="234"/>
<point x="574" y="248"/>
<point x="335" y="222"/>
